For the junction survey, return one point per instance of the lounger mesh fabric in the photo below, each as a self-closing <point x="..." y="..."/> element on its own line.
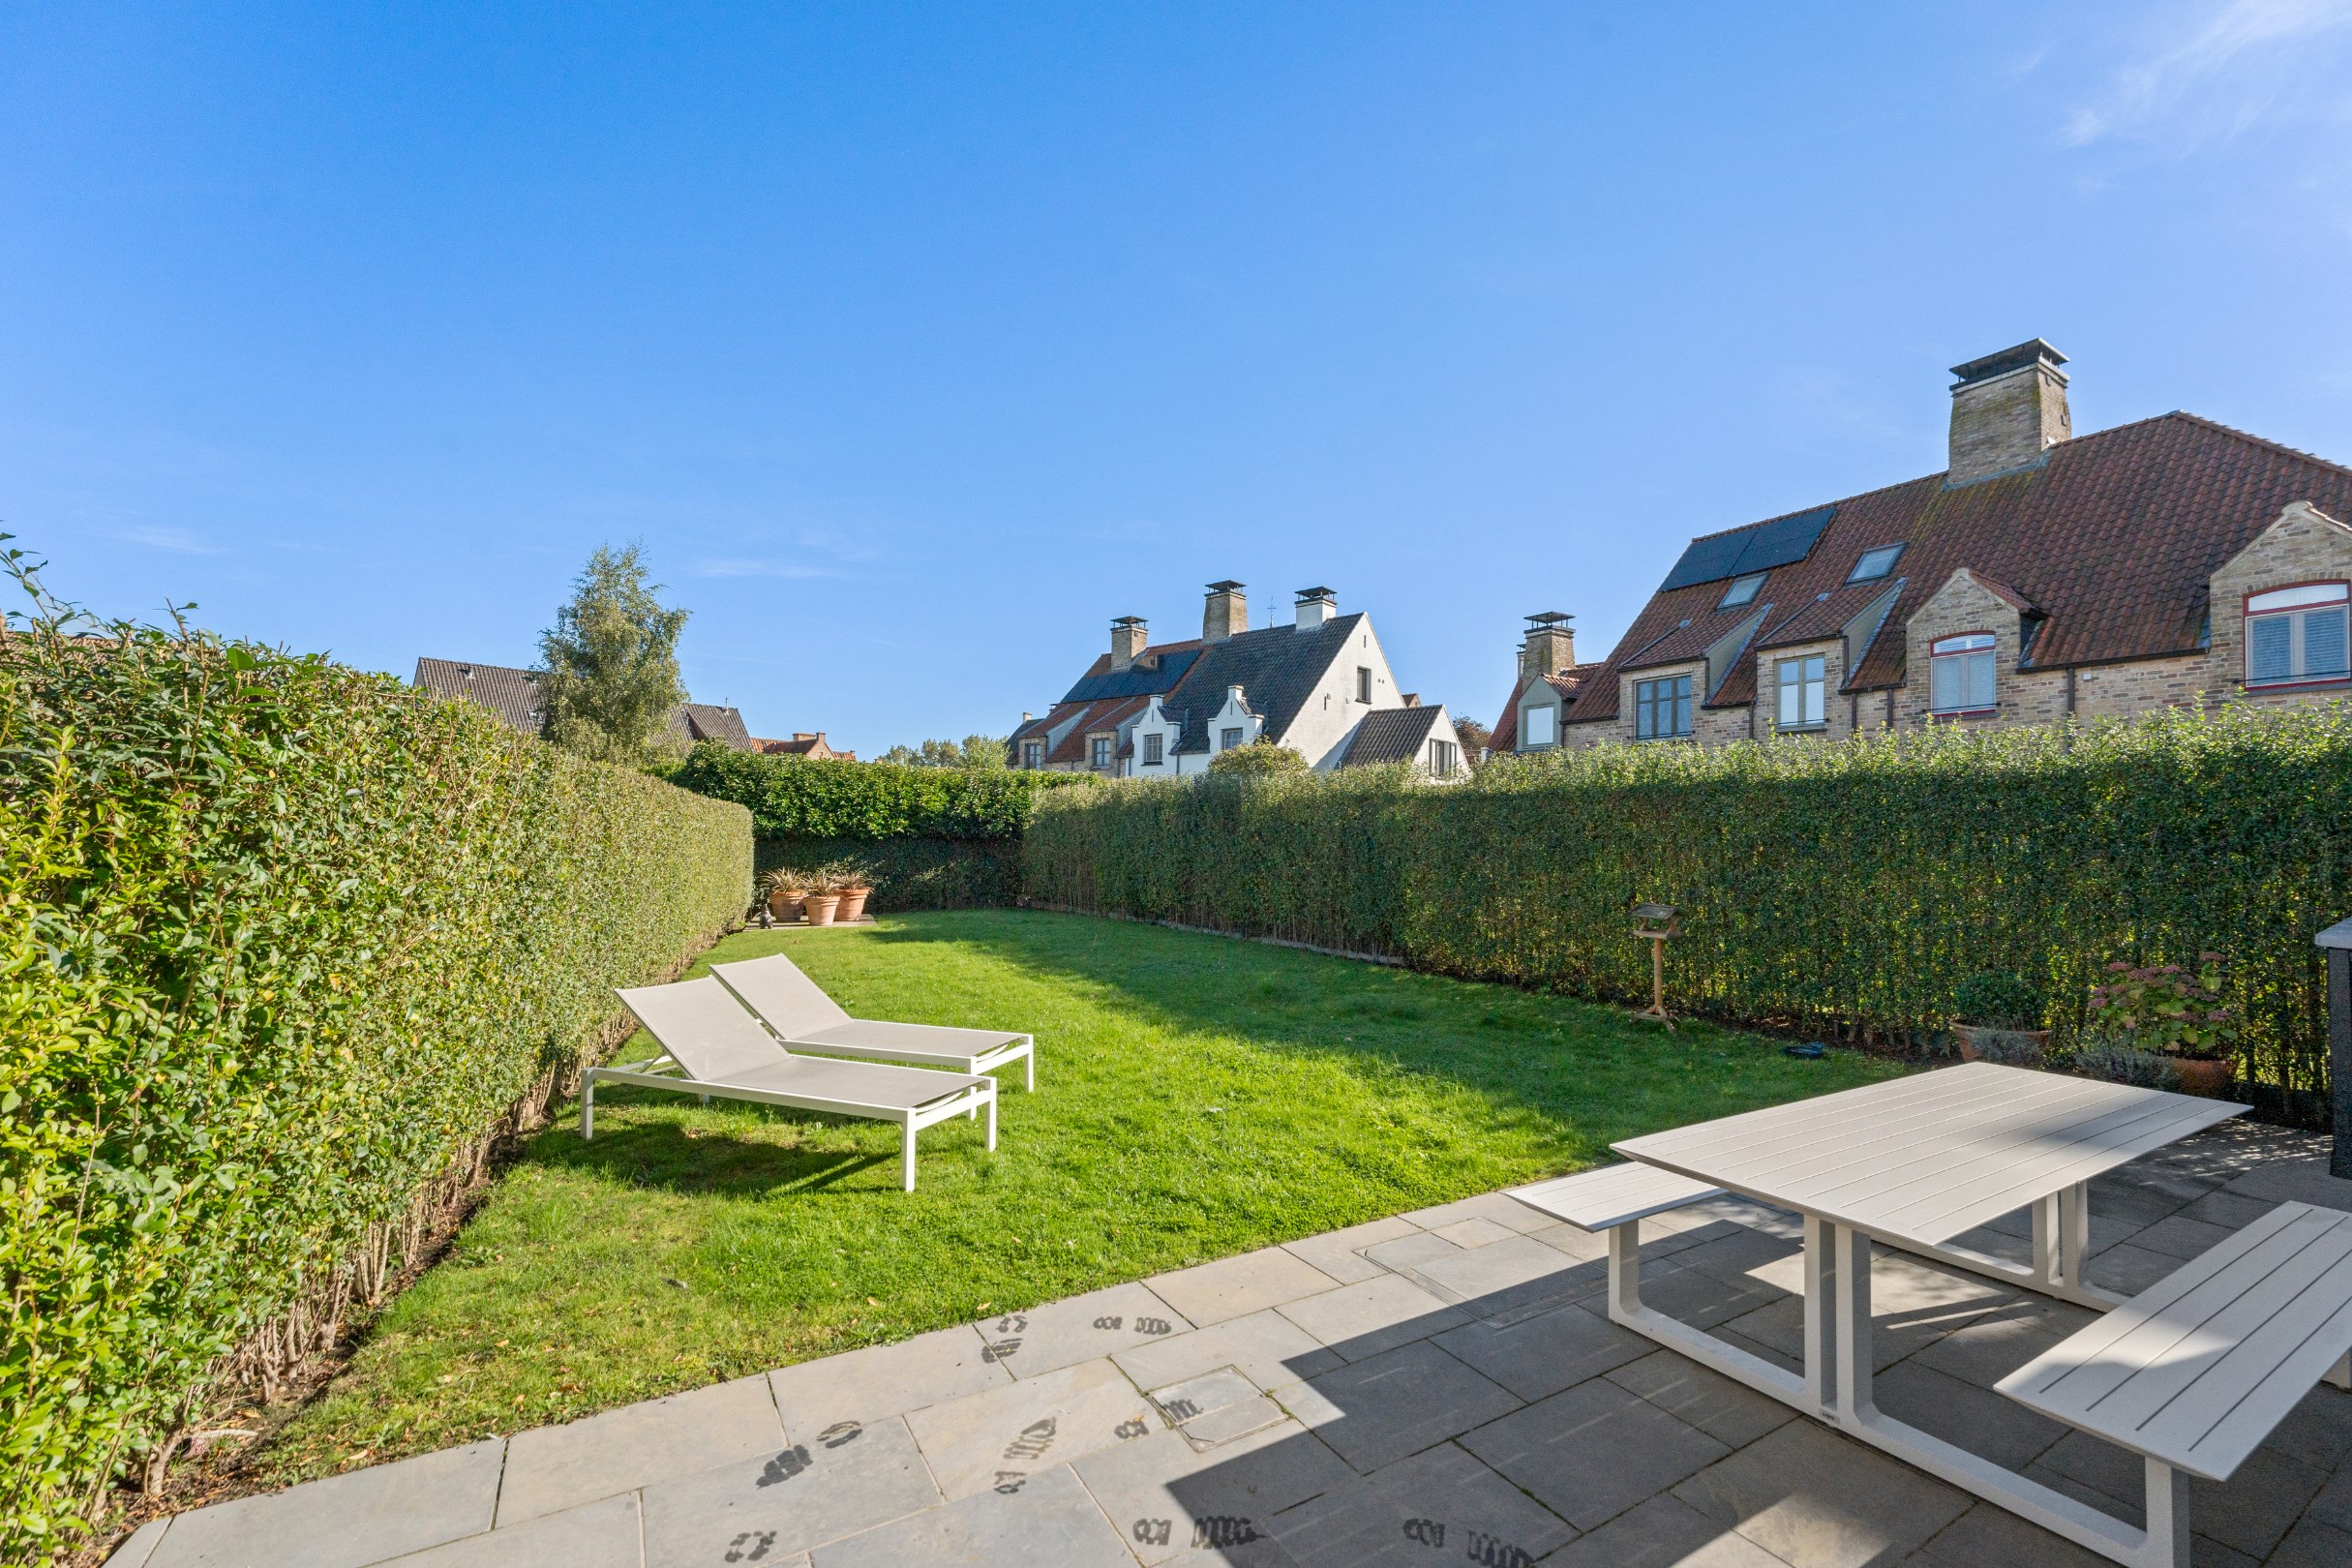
<point x="776" y="988"/>
<point x="708" y="1033"/>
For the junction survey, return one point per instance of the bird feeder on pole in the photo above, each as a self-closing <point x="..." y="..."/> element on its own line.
<point x="1656" y="924"/>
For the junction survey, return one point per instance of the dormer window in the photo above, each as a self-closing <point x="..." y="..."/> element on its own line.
<point x="1151" y="749"/>
<point x="1741" y="590"/>
<point x="1033" y="754"/>
<point x="1100" y="748"/>
<point x="1874" y="564"/>
<point x="2295" y="635"/>
<point x="1960" y="674"/>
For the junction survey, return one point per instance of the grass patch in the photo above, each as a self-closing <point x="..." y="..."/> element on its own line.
<point x="1196" y="1097"/>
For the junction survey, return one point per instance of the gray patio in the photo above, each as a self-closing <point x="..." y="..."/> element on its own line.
<point x="1437" y="1387"/>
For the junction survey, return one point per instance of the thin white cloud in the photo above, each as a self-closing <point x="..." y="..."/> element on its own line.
<point x="750" y="567"/>
<point x="2225" y="69"/>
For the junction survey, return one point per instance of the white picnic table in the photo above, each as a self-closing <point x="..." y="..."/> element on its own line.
<point x="1913" y="1162"/>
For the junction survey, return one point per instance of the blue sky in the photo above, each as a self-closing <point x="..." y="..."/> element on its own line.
<point x="917" y="342"/>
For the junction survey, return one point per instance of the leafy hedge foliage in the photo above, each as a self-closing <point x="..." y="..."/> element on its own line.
<point x="805" y="798"/>
<point x="280" y="944"/>
<point x="911" y="874"/>
<point x="1841" y="889"/>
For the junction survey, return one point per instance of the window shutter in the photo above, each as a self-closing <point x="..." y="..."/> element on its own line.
<point x="2324" y="643"/>
<point x="2269" y="655"/>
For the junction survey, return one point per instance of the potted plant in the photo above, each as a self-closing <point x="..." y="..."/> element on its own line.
<point x="783" y="893"/>
<point x="856" y="882"/>
<point x="2001" y="1019"/>
<point x="823" y="898"/>
<point x="2170" y="1012"/>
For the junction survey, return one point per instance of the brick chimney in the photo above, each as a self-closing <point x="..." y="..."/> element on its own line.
<point x="2007" y="408"/>
<point x="1128" y="638"/>
<point x="1549" y="647"/>
<point x="1315" y="606"/>
<point x="1225" y="614"/>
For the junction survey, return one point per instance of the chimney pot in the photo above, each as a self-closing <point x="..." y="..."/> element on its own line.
<point x="1226" y="612"/>
<point x="2007" y="409"/>
<point x="1128" y="638"/>
<point x="1315" y="606"/>
<point x="1549" y="647"/>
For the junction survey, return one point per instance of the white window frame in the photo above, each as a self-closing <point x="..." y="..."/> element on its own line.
<point x="1152" y="744"/>
<point x="1964" y="668"/>
<point x="1231" y="738"/>
<point x="1741" y="590"/>
<point x="2282" y="618"/>
<point x="1442" y="754"/>
<point x="1805" y="692"/>
<point x="1099" y="751"/>
<point x="1674" y="693"/>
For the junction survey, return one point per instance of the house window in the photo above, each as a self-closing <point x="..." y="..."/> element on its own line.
<point x="2298" y="634"/>
<point x="1741" y="590"/>
<point x="1363" y="683"/>
<point x="1960" y="674"/>
<point x="1805" y="692"/>
<point x="1874" y="564"/>
<point x="1443" y="755"/>
<point x="1232" y="737"/>
<point x="1662" y="709"/>
<point x="1151" y="751"/>
<point x="1102" y="752"/>
<point x="1539" y="727"/>
<point x="1033" y="754"/>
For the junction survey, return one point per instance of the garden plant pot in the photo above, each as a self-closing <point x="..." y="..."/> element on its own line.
<point x="2212" y="1080"/>
<point x="852" y="904"/>
<point x="785" y="906"/>
<point x="1964" y="1035"/>
<point x="821" y="908"/>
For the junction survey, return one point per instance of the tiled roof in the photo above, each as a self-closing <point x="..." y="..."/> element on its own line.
<point x="2113" y="537"/>
<point x="803" y="745"/>
<point x="1390" y="734"/>
<point x="705" y="721"/>
<point x="1156" y="669"/>
<point x="1568" y="682"/>
<point x="1277" y="668"/>
<point x="1095" y="717"/>
<point x="512" y="694"/>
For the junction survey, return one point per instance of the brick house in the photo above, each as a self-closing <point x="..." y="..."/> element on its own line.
<point x="804" y="744"/>
<point x="1163" y="711"/>
<point x="514" y="696"/>
<point x="2170" y="562"/>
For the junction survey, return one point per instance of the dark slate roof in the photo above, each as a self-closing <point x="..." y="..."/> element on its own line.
<point x="1276" y="667"/>
<point x="702" y="721"/>
<point x="512" y="694"/>
<point x="1156" y="669"/>
<point x="2113" y="537"/>
<point x="1390" y="734"/>
<point x="1504" y="736"/>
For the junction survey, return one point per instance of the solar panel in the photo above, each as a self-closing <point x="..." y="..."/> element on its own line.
<point x="1743" y="551"/>
<point x="1136" y="680"/>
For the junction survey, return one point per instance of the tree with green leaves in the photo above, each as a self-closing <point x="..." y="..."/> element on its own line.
<point x="972" y="751"/>
<point x="608" y="675"/>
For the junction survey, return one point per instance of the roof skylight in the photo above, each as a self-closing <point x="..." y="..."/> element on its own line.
<point x="1741" y="590"/>
<point x="1876" y="563"/>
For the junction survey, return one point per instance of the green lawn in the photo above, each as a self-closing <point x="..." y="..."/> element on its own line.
<point x="1196" y="1097"/>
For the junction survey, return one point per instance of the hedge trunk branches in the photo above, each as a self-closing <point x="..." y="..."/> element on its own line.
<point x="609" y="678"/>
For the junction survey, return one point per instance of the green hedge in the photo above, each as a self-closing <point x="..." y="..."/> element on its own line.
<point x="911" y="874"/>
<point x="802" y="798"/>
<point x="1840" y="889"/>
<point x="284" y="946"/>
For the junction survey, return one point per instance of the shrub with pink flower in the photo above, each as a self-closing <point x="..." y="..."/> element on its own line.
<point x="2164" y="1007"/>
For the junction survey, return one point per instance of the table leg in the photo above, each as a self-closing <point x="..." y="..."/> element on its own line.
<point x="1625" y="1271"/>
<point x="2075" y="1235"/>
<point x="1821" y="1314"/>
<point x="1849" y="1258"/>
<point x="2043" y="1267"/>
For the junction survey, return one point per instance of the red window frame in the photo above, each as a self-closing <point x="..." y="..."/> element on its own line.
<point x="2249" y="614"/>
<point x="1936" y="650"/>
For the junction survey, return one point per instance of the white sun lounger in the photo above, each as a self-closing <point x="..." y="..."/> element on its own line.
<point x="806" y="1019"/>
<point x="721" y="1051"/>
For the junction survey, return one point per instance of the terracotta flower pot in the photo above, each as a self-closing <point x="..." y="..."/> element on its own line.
<point x="2212" y="1080"/>
<point x="1965" y="1036"/>
<point x="821" y="908"/>
<point x="853" y="903"/>
<point x="785" y="905"/>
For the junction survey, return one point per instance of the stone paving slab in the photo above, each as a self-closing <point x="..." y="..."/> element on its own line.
<point x="1266" y="1347"/>
<point x="1064" y="1333"/>
<point x="1664" y="1532"/>
<point x="885" y="1380"/>
<point x="1439" y="1506"/>
<point x="1594" y="1451"/>
<point x="1376" y="1315"/>
<point x="998" y="1438"/>
<point x="1169" y="1498"/>
<point x="1411" y="1251"/>
<point x="1236" y="1286"/>
<point x="603" y="1534"/>
<point x="1049" y="1521"/>
<point x="1539" y="1356"/>
<point x="345" y="1521"/>
<point x="1811" y="1497"/>
<point x="1373" y="1413"/>
<point x="553" y="1468"/>
<point x="1339" y="1252"/>
<point x="839" y="1483"/>
<point x="1730" y="1412"/>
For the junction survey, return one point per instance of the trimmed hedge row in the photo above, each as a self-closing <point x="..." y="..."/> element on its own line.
<point x="282" y="946"/>
<point x="1834" y="889"/>
<point x="804" y="798"/>
<point x="911" y="874"/>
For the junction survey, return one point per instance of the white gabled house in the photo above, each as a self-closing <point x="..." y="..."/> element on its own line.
<point x="1164" y="711"/>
